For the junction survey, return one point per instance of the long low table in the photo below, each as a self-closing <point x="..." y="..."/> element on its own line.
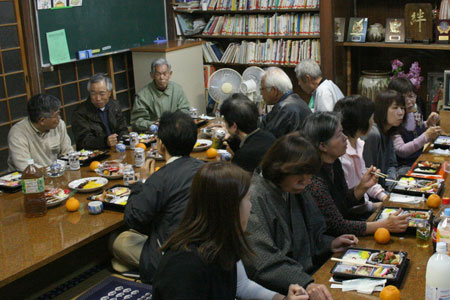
<point x="413" y="286"/>
<point x="27" y="244"/>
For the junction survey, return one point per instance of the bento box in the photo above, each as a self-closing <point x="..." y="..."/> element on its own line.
<point x="370" y="263"/>
<point x="415" y="186"/>
<point x="417" y="215"/>
<point x="113" y="198"/>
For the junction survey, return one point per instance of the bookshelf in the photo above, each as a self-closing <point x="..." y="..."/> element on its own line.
<point x="355" y="57"/>
<point x="323" y="37"/>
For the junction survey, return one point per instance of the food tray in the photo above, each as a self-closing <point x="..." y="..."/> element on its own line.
<point x="200" y="122"/>
<point x="144" y="138"/>
<point x="442" y="142"/>
<point x="88" y="156"/>
<point x="109" y="196"/>
<point x="415" y="186"/>
<point x="11" y="182"/>
<point x="418" y="214"/>
<point x="393" y="272"/>
<point x="110" y="169"/>
<point x="427" y="167"/>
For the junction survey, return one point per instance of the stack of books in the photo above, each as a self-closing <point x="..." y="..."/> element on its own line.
<point x="278" y="52"/>
<point x="186" y="4"/>
<point x="272" y="25"/>
<point x="261" y="4"/>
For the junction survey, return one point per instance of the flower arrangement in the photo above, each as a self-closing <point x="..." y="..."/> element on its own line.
<point x="413" y="75"/>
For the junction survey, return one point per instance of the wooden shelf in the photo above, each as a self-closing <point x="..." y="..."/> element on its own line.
<point x="244" y="37"/>
<point x="254" y="11"/>
<point x="401" y="46"/>
<point x="257" y="65"/>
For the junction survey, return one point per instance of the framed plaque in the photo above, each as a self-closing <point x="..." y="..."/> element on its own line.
<point x="339" y="29"/>
<point x="419" y="22"/>
<point x="357" y="30"/>
<point x="442" y="31"/>
<point x="447" y="89"/>
<point x="395" y="31"/>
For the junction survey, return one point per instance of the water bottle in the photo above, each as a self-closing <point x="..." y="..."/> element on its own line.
<point x="443" y="230"/>
<point x="438" y="274"/>
<point x="438" y="218"/>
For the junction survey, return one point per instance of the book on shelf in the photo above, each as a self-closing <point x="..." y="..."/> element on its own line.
<point x="288" y="24"/>
<point x="234" y="5"/>
<point x="281" y="52"/>
<point x="212" y="52"/>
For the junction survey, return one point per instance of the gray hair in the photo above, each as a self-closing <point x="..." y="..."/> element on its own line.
<point x="160" y="62"/>
<point x="276" y="78"/>
<point x="320" y="127"/>
<point x="42" y="106"/>
<point x="98" y="78"/>
<point x="308" y="67"/>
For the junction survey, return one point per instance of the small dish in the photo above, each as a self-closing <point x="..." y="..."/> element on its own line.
<point x="201" y="145"/>
<point x="93" y="183"/>
<point x="110" y="169"/>
<point x="55" y="196"/>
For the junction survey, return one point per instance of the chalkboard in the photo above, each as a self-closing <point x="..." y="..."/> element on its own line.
<point x="111" y="25"/>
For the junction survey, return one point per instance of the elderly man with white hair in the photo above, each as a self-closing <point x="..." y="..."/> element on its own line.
<point x="289" y="109"/>
<point x="324" y="92"/>
<point x="158" y="96"/>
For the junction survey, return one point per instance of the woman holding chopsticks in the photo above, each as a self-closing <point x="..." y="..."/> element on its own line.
<point x="329" y="187"/>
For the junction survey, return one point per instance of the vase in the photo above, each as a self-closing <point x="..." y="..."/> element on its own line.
<point x="444" y="11"/>
<point x="375" y="33"/>
<point x="373" y="81"/>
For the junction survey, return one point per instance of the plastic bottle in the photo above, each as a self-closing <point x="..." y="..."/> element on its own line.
<point x="437" y="218"/>
<point x="33" y="188"/>
<point x="443" y="230"/>
<point x="438" y="274"/>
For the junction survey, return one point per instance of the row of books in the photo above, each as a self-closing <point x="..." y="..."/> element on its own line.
<point x="283" y="52"/>
<point x="261" y="4"/>
<point x="276" y="24"/>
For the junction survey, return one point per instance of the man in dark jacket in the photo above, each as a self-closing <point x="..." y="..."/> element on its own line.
<point x="241" y="120"/>
<point x="289" y="109"/>
<point x="155" y="208"/>
<point x="98" y="123"/>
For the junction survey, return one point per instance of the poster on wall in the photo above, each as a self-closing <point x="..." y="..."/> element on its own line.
<point x="44" y="4"/>
<point x="59" y="3"/>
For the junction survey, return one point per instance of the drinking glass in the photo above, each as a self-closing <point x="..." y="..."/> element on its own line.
<point x="423" y="234"/>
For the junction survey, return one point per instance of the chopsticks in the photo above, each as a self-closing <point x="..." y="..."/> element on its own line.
<point x="351" y="262"/>
<point x="382" y="175"/>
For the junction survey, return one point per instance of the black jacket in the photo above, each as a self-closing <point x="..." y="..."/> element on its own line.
<point x="88" y="128"/>
<point x="286" y="117"/>
<point x="156" y="207"/>
<point x="255" y="146"/>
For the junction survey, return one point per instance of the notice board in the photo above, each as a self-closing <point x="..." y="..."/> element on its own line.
<point x="108" y="25"/>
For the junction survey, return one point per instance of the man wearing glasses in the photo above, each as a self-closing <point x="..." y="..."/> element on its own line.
<point x="98" y="123"/>
<point x="289" y="110"/>
<point x="41" y="136"/>
<point x="158" y="96"/>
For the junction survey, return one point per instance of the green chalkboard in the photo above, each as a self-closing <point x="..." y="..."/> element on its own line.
<point x="112" y="25"/>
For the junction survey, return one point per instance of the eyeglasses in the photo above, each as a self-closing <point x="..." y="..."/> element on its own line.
<point x="410" y="96"/>
<point x="102" y="93"/>
<point x="56" y="115"/>
<point x="164" y="74"/>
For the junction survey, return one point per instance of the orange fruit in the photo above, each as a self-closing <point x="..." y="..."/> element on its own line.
<point x="211" y="153"/>
<point x="390" y="292"/>
<point x="382" y="236"/>
<point x="141" y="145"/>
<point x="94" y="165"/>
<point x="72" y="204"/>
<point x="434" y="201"/>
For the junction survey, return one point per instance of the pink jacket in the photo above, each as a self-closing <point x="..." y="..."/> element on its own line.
<point x="354" y="168"/>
